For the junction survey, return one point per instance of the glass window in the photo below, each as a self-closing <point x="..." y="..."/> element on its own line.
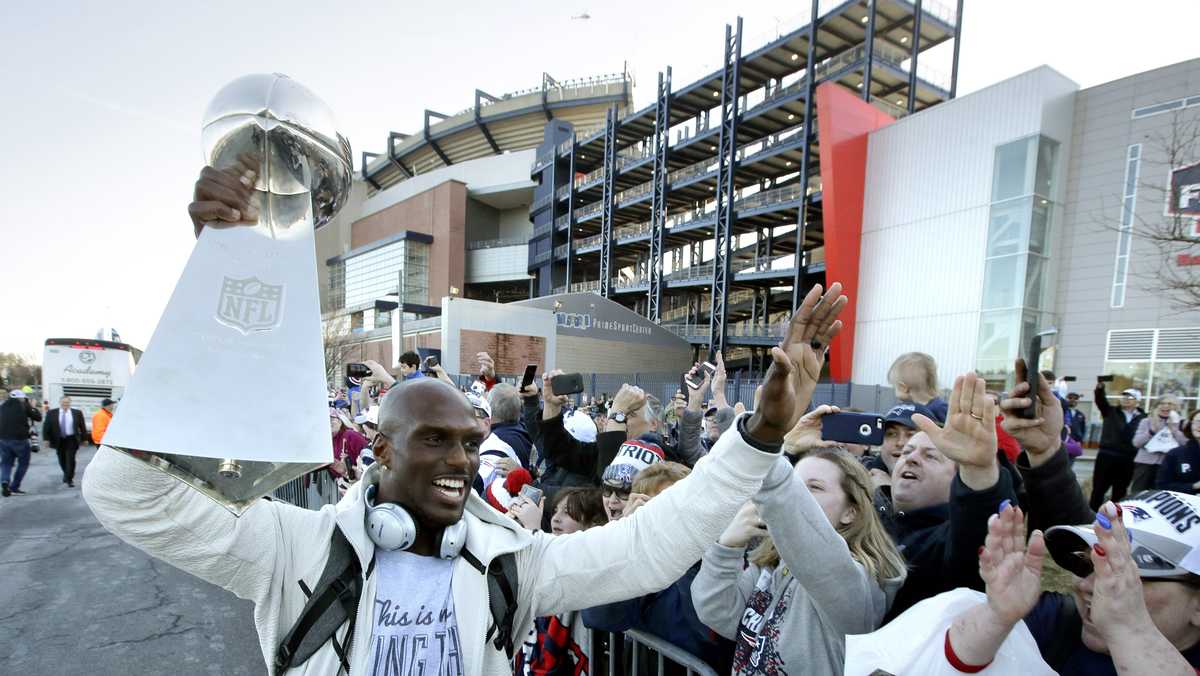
<point x="1008" y="227"/>
<point x="1034" y="283"/>
<point x="998" y="341"/>
<point x="1002" y="282"/>
<point x="1039" y="225"/>
<point x="1011" y="176"/>
<point x="1181" y="379"/>
<point x="1047" y="156"/>
<point x="1127" y="375"/>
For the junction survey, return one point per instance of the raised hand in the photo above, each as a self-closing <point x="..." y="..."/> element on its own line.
<point x="1117" y="599"/>
<point x="695" y="395"/>
<point x="629" y="399"/>
<point x="553" y="402"/>
<point x="1011" y="570"/>
<point x="1041" y="437"/>
<point x="487" y="366"/>
<point x="526" y="513"/>
<point x="806" y="435"/>
<point x="796" y="364"/>
<point x="719" y="379"/>
<point x="969" y="436"/>
<point x="746" y="526"/>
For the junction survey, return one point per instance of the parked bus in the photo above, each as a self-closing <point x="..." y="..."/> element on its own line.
<point x="86" y="370"/>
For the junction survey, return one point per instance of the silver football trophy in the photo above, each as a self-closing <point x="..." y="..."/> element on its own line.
<point x="230" y="395"/>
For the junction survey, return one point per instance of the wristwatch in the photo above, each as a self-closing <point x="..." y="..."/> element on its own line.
<point x="617" y="416"/>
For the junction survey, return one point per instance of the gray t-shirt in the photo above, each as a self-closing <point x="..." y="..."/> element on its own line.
<point x="415" y="632"/>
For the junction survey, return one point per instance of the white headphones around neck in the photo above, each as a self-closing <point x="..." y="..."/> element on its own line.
<point x="391" y="527"/>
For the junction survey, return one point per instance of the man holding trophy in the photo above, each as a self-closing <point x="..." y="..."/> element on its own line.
<point x="437" y="578"/>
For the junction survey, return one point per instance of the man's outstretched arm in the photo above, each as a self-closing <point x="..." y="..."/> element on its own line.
<point x="649" y="550"/>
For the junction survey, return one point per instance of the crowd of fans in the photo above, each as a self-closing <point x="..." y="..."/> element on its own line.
<point x="923" y="538"/>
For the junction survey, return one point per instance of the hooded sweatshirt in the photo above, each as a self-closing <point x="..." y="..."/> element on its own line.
<point x="792" y="618"/>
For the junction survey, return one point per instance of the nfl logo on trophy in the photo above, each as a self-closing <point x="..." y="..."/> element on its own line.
<point x="250" y="305"/>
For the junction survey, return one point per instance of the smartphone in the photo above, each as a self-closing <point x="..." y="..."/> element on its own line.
<point x="1105" y="379"/>
<point x="567" y="383"/>
<point x="853" y="428"/>
<point x="1069" y="379"/>
<point x="530" y="373"/>
<point x="357" y="370"/>
<point x="430" y="362"/>
<point x="709" y="368"/>
<point x="1033" y="374"/>
<point x="532" y="493"/>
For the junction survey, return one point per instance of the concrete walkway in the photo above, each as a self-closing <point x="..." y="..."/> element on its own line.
<point x="76" y="600"/>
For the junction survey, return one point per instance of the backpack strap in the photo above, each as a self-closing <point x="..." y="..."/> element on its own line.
<point x="502" y="596"/>
<point x="333" y="602"/>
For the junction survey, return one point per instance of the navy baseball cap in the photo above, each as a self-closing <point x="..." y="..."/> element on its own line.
<point x="902" y="414"/>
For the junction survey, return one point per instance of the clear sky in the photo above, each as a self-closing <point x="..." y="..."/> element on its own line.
<point x="99" y="125"/>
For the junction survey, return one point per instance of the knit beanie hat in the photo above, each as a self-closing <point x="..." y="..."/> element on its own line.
<point x="634" y="456"/>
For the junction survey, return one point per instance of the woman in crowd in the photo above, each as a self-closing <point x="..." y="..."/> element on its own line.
<point x="347" y="444"/>
<point x="1157" y="434"/>
<point x="827" y="569"/>
<point x="1180" y="470"/>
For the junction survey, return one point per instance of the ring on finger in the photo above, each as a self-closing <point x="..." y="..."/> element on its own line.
<point x="977" y="416"/>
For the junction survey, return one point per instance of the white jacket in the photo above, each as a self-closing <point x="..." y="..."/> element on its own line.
<point x="262" y="555"/>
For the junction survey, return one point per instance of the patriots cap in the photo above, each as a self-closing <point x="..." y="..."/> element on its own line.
<point x="902" y="414"/>
<point x="1165" y="530"/>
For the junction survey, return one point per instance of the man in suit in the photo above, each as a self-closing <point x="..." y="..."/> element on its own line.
<point x="64" y="430"/>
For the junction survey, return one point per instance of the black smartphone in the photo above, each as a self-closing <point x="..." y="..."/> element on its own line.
<point x="430" y="362"/>
<point x="530" y="373"/>
<point x="853" y="428"/>
<point x="1032" y="376"/>
<point x="1069" y="379"/>
<point x="1105" y="379"/>
<point x="357" y="370"/>
<point x="567" y="383"/>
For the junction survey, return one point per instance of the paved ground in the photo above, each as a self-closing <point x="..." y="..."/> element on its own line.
<point x="76" y="600"/>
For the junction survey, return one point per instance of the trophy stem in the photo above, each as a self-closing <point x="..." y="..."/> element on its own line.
<point x="230" y="469"/>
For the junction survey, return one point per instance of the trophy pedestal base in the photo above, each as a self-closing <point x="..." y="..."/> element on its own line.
<point x="235" y="493"/>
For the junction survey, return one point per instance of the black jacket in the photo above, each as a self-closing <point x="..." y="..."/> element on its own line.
<point x="941" y="543"/>
<point x="1052" y="494"/>
<point x="52" y="432"/>
<point x="1116" y="437"/>
<point x="1180" y="470"/>
<point x="15" y="416"/>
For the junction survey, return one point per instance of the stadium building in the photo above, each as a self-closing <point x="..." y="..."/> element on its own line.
<point x="960" y="226"/>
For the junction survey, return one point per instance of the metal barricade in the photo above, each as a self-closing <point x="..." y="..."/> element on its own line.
<point x="659" y="653"/>
<point x="311" y="491"/>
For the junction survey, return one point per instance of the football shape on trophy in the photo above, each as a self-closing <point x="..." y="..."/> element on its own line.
<point x="276" y="126"/>
<point x="230" y="395"/>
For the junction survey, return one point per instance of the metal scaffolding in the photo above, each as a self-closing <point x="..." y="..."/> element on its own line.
<point x="610" y="172"/>
<point x="726" y="165"/>
<point x="658" y="207"/>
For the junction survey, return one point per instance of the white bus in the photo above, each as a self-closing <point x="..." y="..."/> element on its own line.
<point x="86" y="370"/>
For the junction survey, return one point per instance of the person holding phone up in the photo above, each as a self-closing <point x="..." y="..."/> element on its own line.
<point x="1114" y="462"/>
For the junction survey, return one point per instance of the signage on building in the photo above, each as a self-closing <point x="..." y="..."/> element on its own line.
<point x="588" y="315"/>
<point x="1185" y="191"/>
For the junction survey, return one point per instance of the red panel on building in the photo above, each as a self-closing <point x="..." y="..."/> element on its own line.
<point x="843" y="122"/>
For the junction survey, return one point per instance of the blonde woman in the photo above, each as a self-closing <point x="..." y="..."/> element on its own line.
<point x="1158" y="433"/>
<point x="827" y="569"/>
